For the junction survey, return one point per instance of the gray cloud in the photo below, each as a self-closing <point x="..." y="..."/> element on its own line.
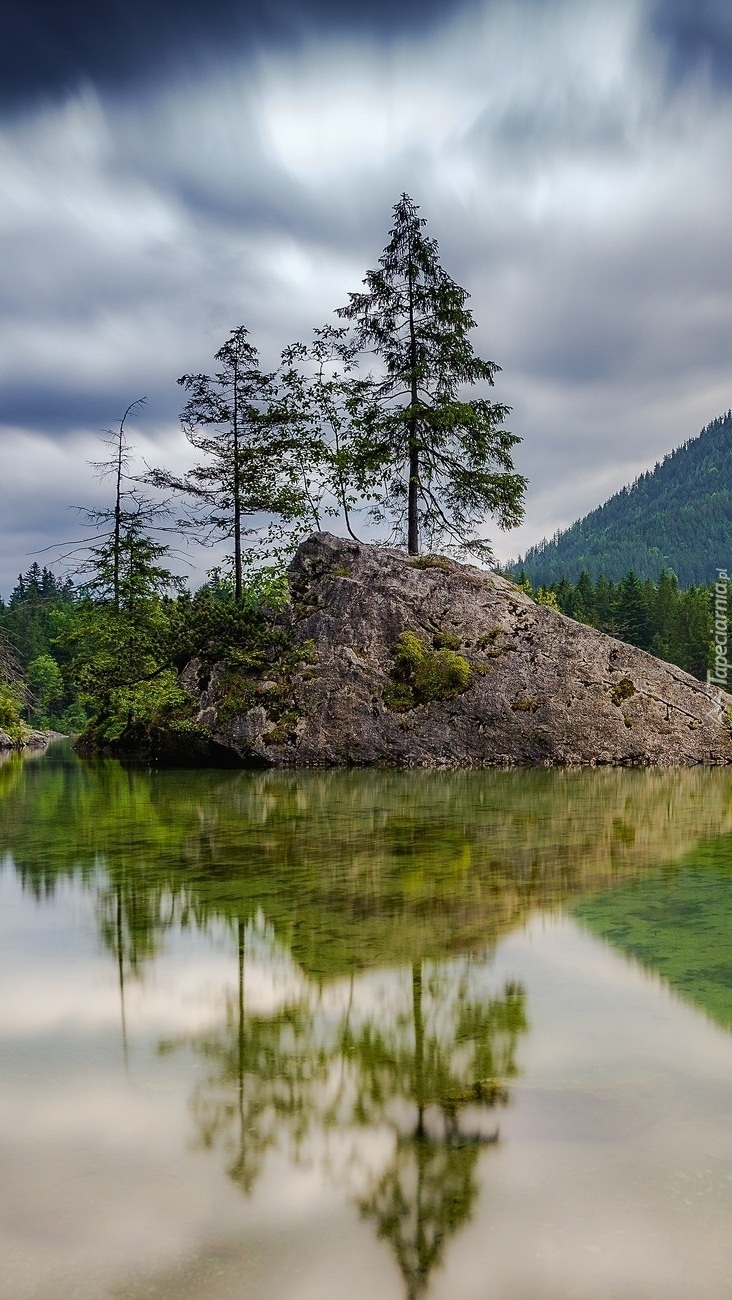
<point x="578" y="193"/>
<point x="48" y="48"/>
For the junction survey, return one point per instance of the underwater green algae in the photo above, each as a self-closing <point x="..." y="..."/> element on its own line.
<point x="677" y="923"/>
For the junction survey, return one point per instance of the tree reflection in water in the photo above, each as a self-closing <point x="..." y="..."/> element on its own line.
<point x="431" y="1065"/>
<point x="263" y="1070"/>
<point x="450" y="1081"/>
<point x="333" y="877"/>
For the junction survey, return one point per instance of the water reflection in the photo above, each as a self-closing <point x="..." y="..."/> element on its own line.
<point x="445" y="1081"/>
<point x="429" y="1066"/>
<point x="676" y="923"/>
<point x="364" y="1031"/>
<point x="352" y="870"/>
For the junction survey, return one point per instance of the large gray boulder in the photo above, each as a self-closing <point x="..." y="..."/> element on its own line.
<point x="541" y="688"/>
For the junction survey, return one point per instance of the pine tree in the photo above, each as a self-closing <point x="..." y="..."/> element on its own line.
<point x="429" y="459"/>
<point x="606" y="606"/>
<point x="664" y="608"/>
<point x="693" y="630"/>
<point x="584" y="599"/>
<point x="633" y="612"/>
<point x="250" y="467"/>
<point x="318" y="393"/>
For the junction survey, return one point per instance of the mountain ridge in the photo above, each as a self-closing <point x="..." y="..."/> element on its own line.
<point x="677" y="516"/>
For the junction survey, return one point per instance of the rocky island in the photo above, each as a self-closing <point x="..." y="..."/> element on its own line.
<point x="423" y="662"/>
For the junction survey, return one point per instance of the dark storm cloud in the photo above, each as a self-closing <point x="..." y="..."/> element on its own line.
<point x="48" y="47"/>
<point x="575" y="125"/>
<point x="59" y="411"/>
<point x="698" y="37"/>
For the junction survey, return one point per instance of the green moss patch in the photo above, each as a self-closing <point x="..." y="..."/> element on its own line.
<point x="421" y="675"/>
<point x="622" y="690"/>
<point x="430" y="562"/>
<point x="446" y="641"/>
<point x="285" y="729"/>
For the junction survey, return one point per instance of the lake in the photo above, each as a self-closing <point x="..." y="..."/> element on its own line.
<point x="301" y="1036"/>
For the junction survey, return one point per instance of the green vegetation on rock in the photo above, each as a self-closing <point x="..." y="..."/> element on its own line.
<point x="430" y="562"/>
<point x="421" y="675"/>
<point x="622" y="690"/>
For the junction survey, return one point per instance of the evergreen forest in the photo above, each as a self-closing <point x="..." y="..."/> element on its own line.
<point x="677" y="516"/>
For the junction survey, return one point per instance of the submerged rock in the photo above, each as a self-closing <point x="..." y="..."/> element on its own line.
<point x="423" y="662"/>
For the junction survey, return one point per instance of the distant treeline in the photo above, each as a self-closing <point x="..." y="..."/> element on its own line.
<point x="677" y="516"/>
<point x="674" y="624"/>
<point x="39" y="611"/>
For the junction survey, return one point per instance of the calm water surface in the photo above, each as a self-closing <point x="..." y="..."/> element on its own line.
<point x="305" y="1036"/>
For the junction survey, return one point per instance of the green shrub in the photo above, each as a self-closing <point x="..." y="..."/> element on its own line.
<point x="141" y="718"/>
<point x="526" y="704"/>
<point x="442" y="675"/>
<point x="489" y="645"/>
<point x="10" y="719"/>
<point x="284" y="730"/>
<point x="409" y="651"/>
<point x="400" y="698"/>
<point x="430" y="562"/>
<point x="73" y="719"/>
<point x="421" y="675"/>
<point x="236" y="693"/>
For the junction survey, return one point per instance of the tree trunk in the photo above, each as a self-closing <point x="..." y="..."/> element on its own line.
<point x="413" y="498"/>
<point x="237" y="492"/>
<point x="419" y="1096"/>
<point x="117" y="521"/>
<point x="412" y="517"/>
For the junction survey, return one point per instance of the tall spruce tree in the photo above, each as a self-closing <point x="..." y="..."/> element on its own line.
<point x="428" y="458"/>
<point x="250" y="472"/>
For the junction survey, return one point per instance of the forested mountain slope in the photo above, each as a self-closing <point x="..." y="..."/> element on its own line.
<point x="677" y="516"/>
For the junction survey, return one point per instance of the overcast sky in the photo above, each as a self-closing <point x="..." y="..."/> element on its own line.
<point x="173" y="169"/>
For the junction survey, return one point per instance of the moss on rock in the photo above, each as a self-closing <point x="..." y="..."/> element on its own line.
<point x="622" y="690"/>
<point x="421" y="675"/>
